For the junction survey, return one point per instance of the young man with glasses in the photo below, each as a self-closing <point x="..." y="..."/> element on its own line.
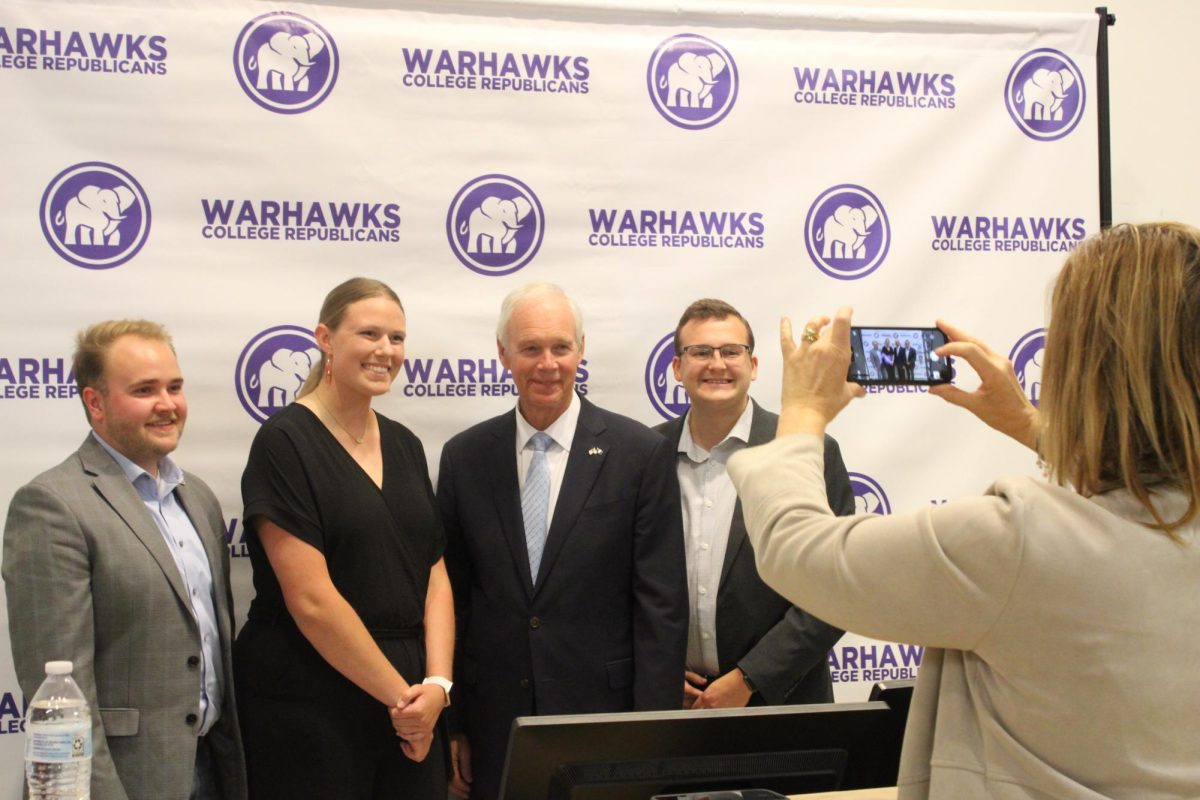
<point x="746" y="644"/>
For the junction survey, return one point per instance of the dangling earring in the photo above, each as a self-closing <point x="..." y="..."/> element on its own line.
<point x="329" y="368"/>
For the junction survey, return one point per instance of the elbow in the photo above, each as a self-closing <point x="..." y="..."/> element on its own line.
<point x="307" y="607"/>
<point x="768" y="551"/>
<point x="766" y="563"/>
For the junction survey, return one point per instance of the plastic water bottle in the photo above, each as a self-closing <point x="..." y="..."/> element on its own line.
<point x="58" y="738"/>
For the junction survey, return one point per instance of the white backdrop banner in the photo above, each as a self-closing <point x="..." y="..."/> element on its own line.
<point x="219" y="166"/>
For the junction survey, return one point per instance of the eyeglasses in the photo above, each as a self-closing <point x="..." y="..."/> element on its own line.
<point x="704" y="352"/>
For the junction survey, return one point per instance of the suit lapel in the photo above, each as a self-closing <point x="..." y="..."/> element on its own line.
<point x="762" y="429"/>
<point x="584" y="463"/>
<point x="111" y="484"/>
<point x="506" y="494"/>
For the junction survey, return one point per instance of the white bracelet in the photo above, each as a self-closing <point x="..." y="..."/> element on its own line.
<point x="445" y="683"/>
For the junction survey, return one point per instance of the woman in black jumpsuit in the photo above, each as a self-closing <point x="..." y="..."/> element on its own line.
<point x="352" y="607"/>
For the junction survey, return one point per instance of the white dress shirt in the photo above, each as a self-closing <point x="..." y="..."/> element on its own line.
<point x="709" y="500"/>
<point x="562" y="431"/>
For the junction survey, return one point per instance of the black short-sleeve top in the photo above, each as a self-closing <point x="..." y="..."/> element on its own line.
<point x="379" y="544"/>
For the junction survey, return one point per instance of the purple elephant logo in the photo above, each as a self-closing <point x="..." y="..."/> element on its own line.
<point x="495" y="225"/>
<point x="693" y="81"/>
<point x="1026" y="357"/>
<point x="667" y="395"/>
<point x="1044" y="94"/>
<point x="272" y="368"/>
<point x="95" y="215"/>
<point x="869" y="497"/>
<point x="285" y="62"/>
<point x="847" y="232"/>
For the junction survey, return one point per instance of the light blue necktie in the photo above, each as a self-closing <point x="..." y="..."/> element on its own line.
<point x="535" y="501"/>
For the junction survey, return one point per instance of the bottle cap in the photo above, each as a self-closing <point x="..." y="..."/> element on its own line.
<point x="59" y="667"/>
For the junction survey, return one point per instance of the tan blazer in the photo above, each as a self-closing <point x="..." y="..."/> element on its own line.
<point x="1059" y="631"/>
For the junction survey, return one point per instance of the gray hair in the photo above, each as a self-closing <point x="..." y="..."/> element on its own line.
<point x="530" y="293"/>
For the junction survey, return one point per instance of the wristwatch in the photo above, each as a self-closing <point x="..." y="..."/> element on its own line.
<point x="746" y="680"/>
<point x="445" y="683"/>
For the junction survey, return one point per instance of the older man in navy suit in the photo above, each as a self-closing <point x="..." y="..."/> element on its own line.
<point x="565" y="548"/>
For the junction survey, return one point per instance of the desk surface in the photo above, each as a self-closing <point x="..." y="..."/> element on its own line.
<point x="885" y="793"/>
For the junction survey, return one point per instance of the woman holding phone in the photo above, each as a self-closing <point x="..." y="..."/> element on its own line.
<point x="1058" y="616"/>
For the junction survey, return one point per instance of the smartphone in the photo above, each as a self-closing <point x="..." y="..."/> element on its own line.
<point x="898" y="355"/>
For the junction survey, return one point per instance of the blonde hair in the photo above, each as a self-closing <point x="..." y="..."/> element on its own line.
<point x="1120" y="405"/>
<point x="340" y="298"/>
<point x="91" y="349"/>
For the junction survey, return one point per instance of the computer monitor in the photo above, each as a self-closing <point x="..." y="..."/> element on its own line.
<point x="897" y="694"/>
<point x="790" y="749"/>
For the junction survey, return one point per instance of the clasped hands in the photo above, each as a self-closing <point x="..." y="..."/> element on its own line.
<point x="414" y="715"/>
<point x="815" y="388"/>
<point x="728" y="691"/>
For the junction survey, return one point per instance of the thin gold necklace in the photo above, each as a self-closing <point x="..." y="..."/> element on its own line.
<point x="357" y="439"/>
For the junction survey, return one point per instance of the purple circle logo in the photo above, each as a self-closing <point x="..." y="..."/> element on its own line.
<point x="1026" y="357"/>
<point x="1044" y="94"/>
<point x="667" y="395"/>
<point x="273" y="367"/>
<point x="869" y="497"/>
<point x="95" y="215"/>
<point x="285" y="62"/>
<point x="495" y="225"/>
<point x="693" y="81"/>
<point x="847" y="232"/>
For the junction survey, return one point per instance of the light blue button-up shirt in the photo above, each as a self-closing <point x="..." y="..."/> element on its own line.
<point x="158" y="495"/>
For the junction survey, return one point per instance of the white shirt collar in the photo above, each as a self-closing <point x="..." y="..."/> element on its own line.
<point x="562" y="430"/>
<point x="739" y="432"/>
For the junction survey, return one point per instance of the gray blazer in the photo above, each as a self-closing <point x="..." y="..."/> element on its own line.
<point x="782" y="649"/>
<point x="89" y="578"/>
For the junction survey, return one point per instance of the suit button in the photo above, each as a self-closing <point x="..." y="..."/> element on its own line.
<point x="524" y="683"/>
<point x="193" y="661"/>
<point x="535" y="623"/>
<point x="190" y="719"/>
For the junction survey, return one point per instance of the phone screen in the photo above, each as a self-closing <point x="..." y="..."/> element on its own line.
<point x="898" y="355"/>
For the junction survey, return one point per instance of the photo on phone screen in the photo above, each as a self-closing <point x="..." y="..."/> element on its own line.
<point x="898" y="355"/>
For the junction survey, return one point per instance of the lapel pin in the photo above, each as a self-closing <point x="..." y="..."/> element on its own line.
<point x="595" y="451"/>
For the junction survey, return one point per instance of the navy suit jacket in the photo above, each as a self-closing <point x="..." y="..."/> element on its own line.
<point x="605" y="627"/>
<point x="783" y="649"/>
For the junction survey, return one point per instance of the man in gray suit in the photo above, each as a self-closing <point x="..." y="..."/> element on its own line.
<point x="116" y="560"/>
<point x="746" y="644"/>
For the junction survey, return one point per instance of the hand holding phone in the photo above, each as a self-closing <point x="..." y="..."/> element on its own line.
<point x="898" y="355"/>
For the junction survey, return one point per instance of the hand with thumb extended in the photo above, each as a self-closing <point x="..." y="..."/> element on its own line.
<point x="815" y="389"/>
